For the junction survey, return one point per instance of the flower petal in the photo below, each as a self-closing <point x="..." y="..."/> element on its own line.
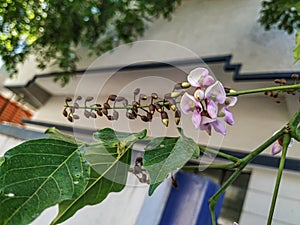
<point x="277" y="148"/>
<point x="212" y="109"/>
<point x="196" y="119"/>
<point x="208" y="80"/>
<point x="187" y="103"/>
<point x="216" y="92"/>
<point x="233" y="101"/>
<point x="228" y="117"/>
<point x="196" y="76"/>
<point x="219" y="127"/>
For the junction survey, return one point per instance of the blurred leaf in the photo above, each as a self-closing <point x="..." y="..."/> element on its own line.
<point x="296" y="50"/>
<point x="38" y="174"/>
<point x="54" y="133"/>
<point x="164" y="155"/>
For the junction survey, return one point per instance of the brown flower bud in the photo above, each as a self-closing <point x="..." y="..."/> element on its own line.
<point x="112" y="97"/>
<point x="144" y="118"/>
<point x="283" y="81"/>
<point x="143" y="97"/>
<point x="115" y="115"/>
<point x="75" y="117"/>
<point x="93" y="115"/>
<point x="120" y="99"/>
<point x="89" y="98"/>
<point x="68" y="99"/>
<point x="72" y="109"/>
<point x="135" y="104"/>
<point x="65" y="113"/>
<point x="78" y="98"/>
<point x="277" y="81"/>
<point x="152" y="108"/>
<point x="158" y="107"/>
<point x="109" y="117"/>
<point x="149" y="116"/>
<point x="277" y="100"/>
<point x="86" y="114"/>
<point x="105" y="111"/>
<point x="76" y="105"/>
<point x="106" y="105"/>
<point x="130" y="114"/>
<point x="295" y="76"/>
<point x="172" y="104"/>
<point x="125" y="102"/>
<point x="154" y="96"/>
<point x="136" y="91"/>
<point x="164" y="118"/>
<point x="177" y="116"/>
<point x="98" y="106"/>
<point x="99" y="112"/>
<point x="70" y="118"/>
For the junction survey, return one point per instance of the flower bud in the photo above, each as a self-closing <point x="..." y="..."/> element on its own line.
<point x="78" y="98"/>
<point x="152" y="108"/>
<point x="89" y="98"/>
<point x="277" y="81"/>
<point x="120" y="99"/>
<point x="93" y="115"/>
<point x="112" y="97"/>
<point x="68" y="99"/>
<point x="144" y="118"/>
<point x="115" y="115"/>
<point x="158" y="107"/>
<point x="70" y="118"/>
<point x="164" y="118"/>
<point x="283" y="81"/>
<point x="154" y="96"/>
<point x="72" y="109"/>
<point x="136" y="91"/>
<point x="172" y="104"/>
<point x="65" y="113"/>
<point x="109" y="117"/>
<point x="135" y="104"/>
<point x="185" y="84"/>
<point x="105" y="111"/>
<point x="149" y="116"/>
<point x="295" y="76"/>
<point x="106" y="105"/>
<point x="143" y="97"/>
<point x="75" y="117"/>
<point x="175" y="94"/>
<point x="99" y="112"/>
<point x="86" y="114"/>
<point x="177" y="116"/>
<point x="130" y="114"/>
<point x="167" y="96"/>
<point x="76" y="105"/>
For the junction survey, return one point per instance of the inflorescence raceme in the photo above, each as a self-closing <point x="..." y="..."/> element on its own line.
<point x="142" y="106"/>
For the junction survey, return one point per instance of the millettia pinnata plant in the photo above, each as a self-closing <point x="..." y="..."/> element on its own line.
<point x="60" y="170"/>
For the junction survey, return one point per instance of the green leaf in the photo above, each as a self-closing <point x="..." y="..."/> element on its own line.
<point x="54" y="133"/>
<point x="110" y="162"/>
<point x="294" y="125"/>
<point x="111" y="137"/>
<point x="109" y="174"/>
<point x="296" y="50"/>
<point x="166" y="154"/>
<point x="38" y="174"/>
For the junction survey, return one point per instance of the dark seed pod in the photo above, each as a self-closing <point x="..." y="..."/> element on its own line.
<point x="164" y="118"/>
<point x="144" y="118"/>
<point x="70" y="118"/>
<point x="106" y="105"/>
<point x="115" y="115"/>
<point x="152" y="108"/>
<point x="143" y="97"/>
<point x="86" y="114"/>
<point x="93" y="115"/>
<point x="112" y="97"/>
<point x="109" y="117"/>
<point x="89" y="98"/>
<point x="75" y="117"/>
<point x="68" y="99"/>
<point x="130" y="115"/>
<point x="65" y="113"/>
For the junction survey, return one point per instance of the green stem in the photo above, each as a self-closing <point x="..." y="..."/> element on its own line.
<point x="286" y="141"/>
<point x="222" y="154"/>
<point x="243" y="163"/>
<point x="279" y="88"/>
<point x="212" y="166"/>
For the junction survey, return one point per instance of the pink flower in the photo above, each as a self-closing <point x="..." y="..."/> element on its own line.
<point x="208" y="103"/>
<point x="277" y="147"/>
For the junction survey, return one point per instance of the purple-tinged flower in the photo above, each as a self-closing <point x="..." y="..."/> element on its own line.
<point x="277" y="147"/>
<point x="208" y="102"/>
<point x="199" y="77"/>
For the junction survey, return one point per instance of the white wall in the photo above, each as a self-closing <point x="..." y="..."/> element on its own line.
<point x="259" y="195"/>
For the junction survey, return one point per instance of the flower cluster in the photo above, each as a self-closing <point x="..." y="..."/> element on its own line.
<point x="208" y="102"/>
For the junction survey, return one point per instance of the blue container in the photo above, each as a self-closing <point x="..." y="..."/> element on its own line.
<point x="188" y="205"/>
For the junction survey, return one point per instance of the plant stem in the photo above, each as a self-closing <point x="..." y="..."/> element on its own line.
<point x="279" y="88"/>
<point x="219" y="153"/>
<point x="243" y="163"/>
<point x="286" y="141"/>
<point x="211" y="166"/>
